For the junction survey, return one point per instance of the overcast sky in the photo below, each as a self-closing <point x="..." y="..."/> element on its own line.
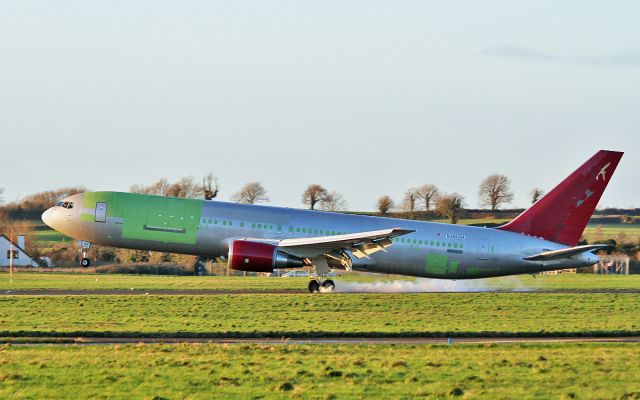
<point x="364" y="97"/>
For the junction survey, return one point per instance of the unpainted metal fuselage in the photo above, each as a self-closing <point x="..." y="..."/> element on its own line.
<point x="205" y="228"/>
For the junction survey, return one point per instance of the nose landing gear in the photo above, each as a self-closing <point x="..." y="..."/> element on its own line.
<point x="84" y="247"/>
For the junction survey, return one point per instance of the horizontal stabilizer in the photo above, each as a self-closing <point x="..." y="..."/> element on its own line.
<point x="565" y="253"/>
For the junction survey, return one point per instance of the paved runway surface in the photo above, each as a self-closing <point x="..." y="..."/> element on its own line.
<point x="214" y="292"/>
<point x="321" y="340"/>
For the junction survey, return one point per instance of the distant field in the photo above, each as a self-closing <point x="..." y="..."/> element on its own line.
<point x="612" y="231"/>
<point x="306" y="315"/>
<point x="50" y="236"/>
<point x="348" y="281"/>
<point x="204" y="371"/>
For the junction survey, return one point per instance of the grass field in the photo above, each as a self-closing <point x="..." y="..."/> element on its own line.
<point x="304" y="315"/>
<point x="613" y="231"/>
<point x="204" y="371"/>
<point x="23" y="280"/>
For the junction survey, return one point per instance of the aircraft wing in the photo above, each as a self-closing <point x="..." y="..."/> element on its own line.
<point x="360" y="244"/>
<point x="565" y="253"/>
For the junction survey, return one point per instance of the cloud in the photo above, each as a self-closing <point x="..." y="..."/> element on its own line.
<point x="620" y="59"/>
<point x="520" y="53"/>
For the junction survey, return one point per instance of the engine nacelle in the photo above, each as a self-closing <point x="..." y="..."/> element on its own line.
<point x="245" y="255"/>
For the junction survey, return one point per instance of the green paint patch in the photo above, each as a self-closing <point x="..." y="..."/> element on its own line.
<point x="473" y="271"/>
<point x="436" y="264"/>
<point x="453" y="267"/>
<point x="163" y="219"/>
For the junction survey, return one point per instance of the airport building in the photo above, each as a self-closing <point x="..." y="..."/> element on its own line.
<point x="15" y="250"/>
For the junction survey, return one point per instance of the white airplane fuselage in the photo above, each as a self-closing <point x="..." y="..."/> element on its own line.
<point x="206" y="228"/>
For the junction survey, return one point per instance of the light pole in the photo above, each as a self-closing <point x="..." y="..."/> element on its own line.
<point x="11" y="259"/>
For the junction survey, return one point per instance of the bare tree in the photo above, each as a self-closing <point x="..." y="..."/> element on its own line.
<point x="333" y="201"/>
<point x="409" y="201"/>
<point x="1" y="192"/>
<point x="251" y="193"/>
<point x="451" y="206"/>
<point x="428" y="194"/>
<point x="185" y="187"/>
<point x="494" y="191"/>
<point x="536" y="193"/>
<point x="158" y="188"/>
<point x="313" y="195"/>
<point x="384" y="204"/>
<point x="210" y="187"/>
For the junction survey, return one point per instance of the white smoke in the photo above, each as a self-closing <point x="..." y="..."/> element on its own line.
<point x="421" y="285"/>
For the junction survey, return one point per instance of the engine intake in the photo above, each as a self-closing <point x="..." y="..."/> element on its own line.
<point x="245" y="255"/>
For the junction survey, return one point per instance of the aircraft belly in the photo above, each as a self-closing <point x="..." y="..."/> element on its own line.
<point x="444" y="265"/>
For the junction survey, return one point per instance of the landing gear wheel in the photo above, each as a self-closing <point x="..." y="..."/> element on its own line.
<point x="328" y="285"/>
<point x="85" y="262"/>
<point x="314" y="286"/>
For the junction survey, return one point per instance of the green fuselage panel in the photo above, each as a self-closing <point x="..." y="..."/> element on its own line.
<point x="163" y="219"/>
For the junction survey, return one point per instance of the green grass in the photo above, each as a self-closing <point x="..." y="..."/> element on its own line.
<point x="204" y="371"/>
<point x="305" y="315"/>
<point x="51" y="236"/>
<point x="83" y="281"/>
<point x="612" y="231"/>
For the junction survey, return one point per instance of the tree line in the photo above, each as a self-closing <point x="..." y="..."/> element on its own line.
<point x="494" y="192"/>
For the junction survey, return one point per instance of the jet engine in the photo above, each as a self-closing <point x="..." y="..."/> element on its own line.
<point x="245" y="255"/>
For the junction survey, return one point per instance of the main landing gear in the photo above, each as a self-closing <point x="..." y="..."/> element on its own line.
<point x="84" y="247"/>
<point x="315" y="286"/>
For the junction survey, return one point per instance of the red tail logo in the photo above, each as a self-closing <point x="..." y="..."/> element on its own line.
<point x="564" y="212"/>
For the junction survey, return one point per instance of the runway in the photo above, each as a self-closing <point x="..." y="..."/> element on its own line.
<point x="218" y="292"/>
<point x="319" y="340"/>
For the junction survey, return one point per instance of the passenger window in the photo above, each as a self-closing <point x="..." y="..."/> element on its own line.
<point x="65" y="204"/>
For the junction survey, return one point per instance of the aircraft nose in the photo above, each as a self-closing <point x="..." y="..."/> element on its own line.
<point x="48" y="218"/>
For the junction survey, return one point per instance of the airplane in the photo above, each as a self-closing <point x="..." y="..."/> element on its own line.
<point x="262" y="238"/>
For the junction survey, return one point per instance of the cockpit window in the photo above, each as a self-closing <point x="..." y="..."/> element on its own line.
<point x="70" y="205"/>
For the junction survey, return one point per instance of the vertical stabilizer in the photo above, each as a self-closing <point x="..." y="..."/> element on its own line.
<point x="563" y="213"/>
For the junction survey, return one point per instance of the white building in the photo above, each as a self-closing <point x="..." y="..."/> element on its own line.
<point x="20" y="257"/>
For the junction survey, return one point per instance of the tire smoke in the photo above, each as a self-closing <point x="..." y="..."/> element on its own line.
<point x="426" y="285"/>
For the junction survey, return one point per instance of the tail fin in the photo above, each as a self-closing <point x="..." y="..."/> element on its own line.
<point x="563" y="213"/>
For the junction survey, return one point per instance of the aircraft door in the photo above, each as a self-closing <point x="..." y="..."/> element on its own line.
<point x="101" y="212"/>
<point x="483" y="249"/>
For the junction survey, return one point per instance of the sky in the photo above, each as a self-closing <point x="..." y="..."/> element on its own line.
<point x="366" y="98"/>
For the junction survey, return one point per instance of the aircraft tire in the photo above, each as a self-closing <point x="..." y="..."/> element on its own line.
<point x="314" y="286"/>
<point x="85" y="262"/>
<point x="329" y="285"/>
